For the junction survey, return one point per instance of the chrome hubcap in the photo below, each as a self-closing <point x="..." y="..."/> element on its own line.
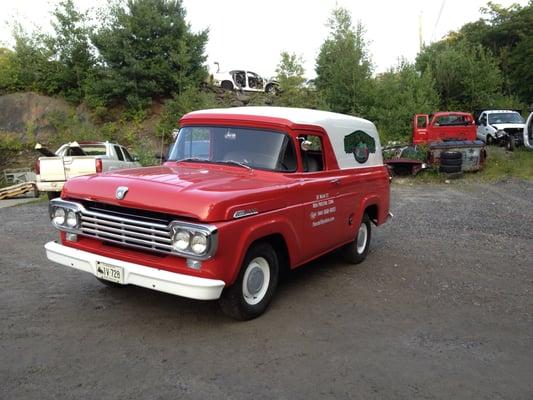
<point x="255" y="281"/>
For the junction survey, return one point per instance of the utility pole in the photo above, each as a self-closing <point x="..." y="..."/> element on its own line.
<point x="420" y="30"/>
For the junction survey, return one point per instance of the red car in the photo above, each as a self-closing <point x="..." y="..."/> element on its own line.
<point x="443" y="126"/>
<point x="244" y="193"/>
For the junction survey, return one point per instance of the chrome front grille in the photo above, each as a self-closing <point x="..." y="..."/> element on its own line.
<point x="131" y="232"/>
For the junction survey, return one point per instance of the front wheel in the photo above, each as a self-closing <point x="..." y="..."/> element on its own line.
<point x="490" y="140"/>
<point x="356" y="251"/>
<point x="511" y="143"/>
<point x="254" y="288"/>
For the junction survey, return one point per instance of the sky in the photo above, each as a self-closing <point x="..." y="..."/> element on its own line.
<point x="251" y="34"/>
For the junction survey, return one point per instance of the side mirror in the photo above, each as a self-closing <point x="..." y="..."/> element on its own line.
<point x="135" y="158"/>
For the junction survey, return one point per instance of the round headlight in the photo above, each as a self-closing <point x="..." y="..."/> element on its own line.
<point x="182" y="240"/>
<point x="72" y="219"/>
<point x="199" y="243"/>
<point x="59" y="216"/>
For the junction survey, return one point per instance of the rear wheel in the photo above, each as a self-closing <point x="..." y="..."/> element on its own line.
<point x="356" y="251"/>
<point x="254" y="288"/>
<point x="226" y="85"/>
<point x="53" y="195"/>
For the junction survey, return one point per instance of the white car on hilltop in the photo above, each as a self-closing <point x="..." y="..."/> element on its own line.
<point x="244" y="80"/>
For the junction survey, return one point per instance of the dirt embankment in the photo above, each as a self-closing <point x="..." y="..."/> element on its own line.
<point x="28" y="115"/>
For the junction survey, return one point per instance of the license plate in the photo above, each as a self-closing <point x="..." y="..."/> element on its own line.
<point x="110" y="272"/>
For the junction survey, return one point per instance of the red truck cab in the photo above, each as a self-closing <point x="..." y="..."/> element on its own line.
<point x="245" y="192"/>
<point x="443" y="126"/>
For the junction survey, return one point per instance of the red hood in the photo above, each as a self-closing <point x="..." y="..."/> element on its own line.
<point x="202" y="192"/>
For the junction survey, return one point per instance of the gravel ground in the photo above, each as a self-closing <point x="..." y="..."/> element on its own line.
<point x="441" y="309"/>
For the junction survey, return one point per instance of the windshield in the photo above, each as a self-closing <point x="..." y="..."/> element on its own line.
<point x="505" y="118"/>
<point x="254" y="148"/>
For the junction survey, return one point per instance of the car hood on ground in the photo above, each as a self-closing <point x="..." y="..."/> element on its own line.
<point x="201" y="192"/>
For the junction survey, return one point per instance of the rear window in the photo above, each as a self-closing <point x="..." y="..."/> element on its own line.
<point x="93" y="150"/>
<point x="451" y="120"/>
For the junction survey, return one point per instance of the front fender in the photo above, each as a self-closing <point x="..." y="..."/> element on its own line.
<point x="244" y="232"/>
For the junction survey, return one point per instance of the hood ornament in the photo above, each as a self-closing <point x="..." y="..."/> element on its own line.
<point x="121" y="191"/>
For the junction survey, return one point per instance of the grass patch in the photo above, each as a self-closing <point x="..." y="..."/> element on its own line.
<point x="502" y="164"/>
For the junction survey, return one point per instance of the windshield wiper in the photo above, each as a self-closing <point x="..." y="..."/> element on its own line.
<point x="232" y="162"/>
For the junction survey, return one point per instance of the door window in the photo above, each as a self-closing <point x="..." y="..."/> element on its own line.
<point x="119" y="153"/>
<point x="127" y="155"/>
<point x="311" y="153"/>
<point x="421" y="121"/>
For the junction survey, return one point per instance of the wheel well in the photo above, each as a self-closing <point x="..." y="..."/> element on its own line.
<point x="280" y="247"/>
<point x="372" y="212"/>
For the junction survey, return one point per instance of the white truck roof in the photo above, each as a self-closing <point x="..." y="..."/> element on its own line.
<point x="351" y="137"/>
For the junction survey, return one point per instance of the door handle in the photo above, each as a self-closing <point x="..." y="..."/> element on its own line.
<point x="336" y="181"/>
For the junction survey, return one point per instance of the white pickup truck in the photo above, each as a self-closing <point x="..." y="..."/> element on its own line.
<point x="75" y="159"/>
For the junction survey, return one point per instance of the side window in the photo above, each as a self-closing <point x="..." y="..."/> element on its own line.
<point x="421" y="121"/>
<point x="119" y="153"/>
<point x="127" y="155"/>
<point x="311" y="153"/>
<point x="483" y="119"/>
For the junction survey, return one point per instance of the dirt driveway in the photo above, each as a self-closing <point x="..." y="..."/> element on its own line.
<point x="441" y="309"/>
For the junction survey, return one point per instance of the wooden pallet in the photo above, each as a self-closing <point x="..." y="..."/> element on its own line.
<point x="17" y="190"/>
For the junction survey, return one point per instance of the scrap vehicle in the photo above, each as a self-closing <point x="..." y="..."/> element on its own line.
<point x="267" y="189"/>
<point x="74" y="159"/>
<point x="500" y="127"/>
<point x="528" y="132"/>
<point x="240" y="79"/>
<point x="450" y="136"/>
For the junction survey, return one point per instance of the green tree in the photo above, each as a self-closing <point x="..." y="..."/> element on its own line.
<point x="466" y="77"/>
<point x="506" y="33"/>
<point x="398" y="94"/>
<point x="343" y="65"/>
<point x="31" y="64"/>
<point x="293" y="93"/>
<point x="147" y="50"/>
<point x="70" y="46"/>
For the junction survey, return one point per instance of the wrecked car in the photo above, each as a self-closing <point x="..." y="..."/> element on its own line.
<point x="501" y="126"/>
<point x="244" y="80"/>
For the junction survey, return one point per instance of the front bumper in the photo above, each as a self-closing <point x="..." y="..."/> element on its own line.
<point x="139" y="275"/>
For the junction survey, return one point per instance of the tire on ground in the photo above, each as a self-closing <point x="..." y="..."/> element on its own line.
<point x="238" y="301"/>
<point x="53" y="195"/>
<point x="450" y="168"/>
<point x="356" y="251"/>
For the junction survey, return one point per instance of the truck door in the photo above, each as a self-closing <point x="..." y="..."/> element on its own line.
<point x="420" y="129"/>
<point x="318" y="191"/>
